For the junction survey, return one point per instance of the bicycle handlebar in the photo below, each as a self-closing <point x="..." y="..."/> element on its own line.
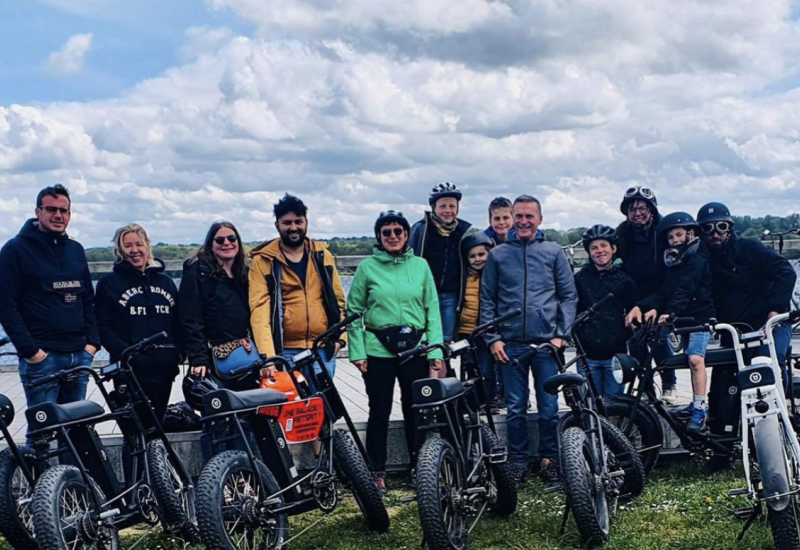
<point x="64" y="375"/>
<point x="336" y="329"/>
<point x="423" y="349"/>
<point x="481" y="329"/>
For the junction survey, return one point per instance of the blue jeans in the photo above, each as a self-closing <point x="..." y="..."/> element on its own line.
<point x="487" y="368"/>
<point x="662" y="350"/>
<point x="782" y="334"/>
<point x="448" y="302"/>
<point x="515" y="379"/>
<point x="66" y="392"/>
<point x="330" y="365"/>
<point x="603" y="377"/>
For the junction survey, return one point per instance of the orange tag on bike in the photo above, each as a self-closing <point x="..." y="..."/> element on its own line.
<point x="301" y="420"/>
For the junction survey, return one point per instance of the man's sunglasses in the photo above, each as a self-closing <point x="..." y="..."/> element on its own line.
<point x="221" y="240"/>
<point x="54" y="209"/>
<point x="716" y="227"/>
<point x="639" y="191"/>
<point x="398" y="231"/>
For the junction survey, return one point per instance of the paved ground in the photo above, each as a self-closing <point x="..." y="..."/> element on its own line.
<point x="348" y="381"/>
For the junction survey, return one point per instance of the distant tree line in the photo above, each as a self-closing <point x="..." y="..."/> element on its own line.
<point x="747" y="226"/>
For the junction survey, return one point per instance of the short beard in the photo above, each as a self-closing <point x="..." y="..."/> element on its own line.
<point x="287" y="242"/>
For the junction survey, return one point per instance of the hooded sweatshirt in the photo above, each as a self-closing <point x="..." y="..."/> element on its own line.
<point x="641" y="257"/>
<point x="132" y="306"/>
<point x="392" y="291"/>
<point x="46" y="294"/>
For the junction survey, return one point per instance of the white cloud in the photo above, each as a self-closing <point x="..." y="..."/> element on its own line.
<point x="70" y="57"/>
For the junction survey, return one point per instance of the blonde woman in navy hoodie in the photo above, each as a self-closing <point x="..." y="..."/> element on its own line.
<point x="135" y="301"/>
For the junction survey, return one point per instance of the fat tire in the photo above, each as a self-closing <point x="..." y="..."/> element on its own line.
<point x="211" y="495"/>
<point x="647" y="424"/>
<point x="47" y="504"/>
<point x="784" y="526"/>
<point x="577" y="486"/>
<point x="505" y="483"/>
<point x="431" y="457"/>
<point x="627" y="457"/>
<point x="178" y="516"/>
<point x="357" y="475"/>
<point x="12" y="526"/>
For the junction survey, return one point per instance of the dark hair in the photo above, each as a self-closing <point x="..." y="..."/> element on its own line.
<point x="529" y="198"/>
<point x="206" y="252"/>
<point x="52" y="191"/>
<point x="290" y="203"/>
<point x="498" y="203"/>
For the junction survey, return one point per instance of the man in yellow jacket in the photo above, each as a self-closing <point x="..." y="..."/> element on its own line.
<point x="295" y="290"/>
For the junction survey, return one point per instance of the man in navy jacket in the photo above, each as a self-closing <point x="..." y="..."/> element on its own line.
<point x="47" y="300"/>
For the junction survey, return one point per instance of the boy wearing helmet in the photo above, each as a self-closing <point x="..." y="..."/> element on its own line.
<point x="606" y="334"/>
<point x="475" y="248"/>
<point x="686" y="292"/>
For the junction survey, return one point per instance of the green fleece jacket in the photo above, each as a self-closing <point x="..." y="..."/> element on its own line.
<point x="392" y="291"/>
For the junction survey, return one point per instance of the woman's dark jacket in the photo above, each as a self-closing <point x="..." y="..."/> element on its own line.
<point x="131" y="306"/>
<point x="641" y="257"/>
<point x="605" y="334"/>
<point x="686" y="291"/>
<point x="214" y="310"/>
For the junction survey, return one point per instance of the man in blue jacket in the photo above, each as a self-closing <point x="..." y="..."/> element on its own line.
<point x="535" y="274"/>
<point x="47" y="300"/>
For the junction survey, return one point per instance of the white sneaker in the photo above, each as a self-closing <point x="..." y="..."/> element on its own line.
<point x="670" y="396"/>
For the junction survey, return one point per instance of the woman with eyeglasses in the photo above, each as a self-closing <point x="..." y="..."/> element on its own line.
<point x="642" y="260"/>
<point x="395" y="291"/>
<point x="214" y="297"/>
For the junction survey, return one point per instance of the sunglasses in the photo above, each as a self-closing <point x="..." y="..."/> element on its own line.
<point x="53" y="209"/>
<point x="639" y="191"/>
<point x="716" y="227"/>
<point x="221" y="240"/>
<point x="398" y="231"/>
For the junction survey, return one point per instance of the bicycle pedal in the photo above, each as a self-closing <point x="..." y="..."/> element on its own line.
<point x="744" y="513"/>
<point x="498" y="455"/>
<point x="556" y="488"/>
<point x="738" y="492"/>
<point x="411" y="498"/>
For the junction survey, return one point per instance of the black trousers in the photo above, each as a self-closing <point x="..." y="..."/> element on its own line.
<point x="379" y="380"/>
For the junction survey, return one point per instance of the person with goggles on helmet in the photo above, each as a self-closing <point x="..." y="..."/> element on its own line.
<point x="641" y="259"/>
<point x="437" y="238"/>
<point x="685" y="292"/>
<point x="606" y="335"/>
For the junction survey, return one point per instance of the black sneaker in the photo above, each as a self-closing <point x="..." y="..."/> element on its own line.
<point x="379" y="478"/>
<point x="518" y="472"/>
<point x="548" y="471"/>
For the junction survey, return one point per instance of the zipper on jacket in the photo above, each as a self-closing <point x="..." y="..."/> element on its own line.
<point x="525" y="290"/>
<point x="397" y="290"/>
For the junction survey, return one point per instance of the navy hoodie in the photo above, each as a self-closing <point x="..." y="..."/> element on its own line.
<point x="46" y="295"/>
<point x="132" y="306"/>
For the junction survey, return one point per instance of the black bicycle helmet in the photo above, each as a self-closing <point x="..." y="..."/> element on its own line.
<point x="676" y="219"/>
<point x="390" y="216"/>
<point x="6" y="410"/>
<point x="599" y="232"/>
<point x="639" y="193"/>
<point x="714" y="212"/>
<point x="443" y="190"/>
<point x="476" y="238"/>
<point x="195" y="387"/>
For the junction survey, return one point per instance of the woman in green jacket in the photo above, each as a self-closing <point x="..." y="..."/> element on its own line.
<point x="395" y="291"/>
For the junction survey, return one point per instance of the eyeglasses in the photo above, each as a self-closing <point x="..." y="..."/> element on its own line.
<point x="722" y="227"/>
<point x="221" y="240"/>
<point x="639" y="191"/>
<point x="388" y="232"/>
<point x="638" y="210"/>
<point x="53" y="209"/>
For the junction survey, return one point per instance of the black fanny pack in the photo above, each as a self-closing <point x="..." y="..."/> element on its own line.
<point x="398" y="339"/>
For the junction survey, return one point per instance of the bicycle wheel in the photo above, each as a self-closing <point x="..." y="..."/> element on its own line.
<point x="439" y="489"/>
<point x="585" y="494"/>
<point x="356" y="473"/>
<point x="504" y="481"/>
<point x="645" y="433"/>
<point x="64" y="513"/>
<point x="774" y="464"/>
<point x="229" y="503"/>
<point x="175" y="496"/>
<point x="627" y="458"/>
<point x="16" y="514"/>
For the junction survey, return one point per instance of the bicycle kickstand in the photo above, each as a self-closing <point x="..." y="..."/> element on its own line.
<point x="756" y="511"/>
<point x="564" y="519"/>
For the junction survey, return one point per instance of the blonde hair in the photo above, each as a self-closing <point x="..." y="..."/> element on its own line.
<point x="136" y="229"/>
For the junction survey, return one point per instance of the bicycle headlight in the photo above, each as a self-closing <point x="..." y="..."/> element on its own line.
<point x="623" y="368"/>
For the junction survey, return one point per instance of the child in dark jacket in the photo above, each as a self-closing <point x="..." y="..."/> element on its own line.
<point x="606" y="334"/>
<point x="686" y="292"/>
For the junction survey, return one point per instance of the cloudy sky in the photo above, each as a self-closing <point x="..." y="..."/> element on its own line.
<point x="174" y="113"/>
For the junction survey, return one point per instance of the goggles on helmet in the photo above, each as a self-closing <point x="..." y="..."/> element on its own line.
<point x="721" y="227"/>
<point x="639" y="191"/>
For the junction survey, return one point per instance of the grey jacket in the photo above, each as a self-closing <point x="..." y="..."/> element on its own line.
<point x="534" y="276"/>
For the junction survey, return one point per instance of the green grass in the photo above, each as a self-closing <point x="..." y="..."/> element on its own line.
<point x="680" y="509"/>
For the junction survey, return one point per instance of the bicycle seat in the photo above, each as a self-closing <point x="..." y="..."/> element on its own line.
<point x="554" y="384"/>
<point x="47" y="415"/>
<point x="714" y="357"/>
<point x="220" y="401"/>
<point x="431" y="390"/>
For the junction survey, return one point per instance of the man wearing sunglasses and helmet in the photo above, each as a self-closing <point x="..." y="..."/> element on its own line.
<point x="642" y="261"/>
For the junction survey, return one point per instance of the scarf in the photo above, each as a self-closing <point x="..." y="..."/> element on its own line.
<point x="444" y="229"/>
